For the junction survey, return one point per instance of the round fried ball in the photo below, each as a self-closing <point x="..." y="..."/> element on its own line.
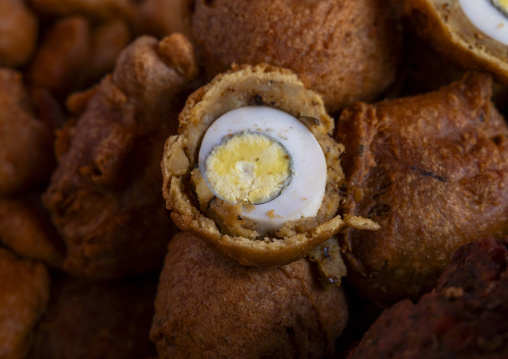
<point x="345" y="50"/>
<point x="208" y="307"/>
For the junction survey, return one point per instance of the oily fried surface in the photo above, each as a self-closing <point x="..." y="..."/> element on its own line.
<point x="24" y="295"/>
<point x="345" y="50"/>
<point x="209" y="307"/>
<point x="97" y="9"/>
<point x="432" y="171"/>
<point x="97" y="320"/>
<point x="163" y="17"/>
<point x="464" y="318"/>
<point x="105" y="195"/>
<point x="18" y="32"/>
<point x="26" y="228"/>
<point x="26" y="154"/>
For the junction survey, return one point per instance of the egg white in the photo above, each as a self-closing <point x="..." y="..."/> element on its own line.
<point x="303" y="196"/>
<point x="487" y="18"/>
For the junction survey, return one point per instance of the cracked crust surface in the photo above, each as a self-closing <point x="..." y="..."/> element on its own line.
<point x="209" y="307"/>
<point x="193" y="206"/>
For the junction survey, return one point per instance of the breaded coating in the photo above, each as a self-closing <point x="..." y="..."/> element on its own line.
<point x="24" y="296"/>
<point x="445" y="24"/>
<point x="94" y="9"/>
<point x="208" y="307"/>
<point x="432" y="171"/>
<point x="464" y="318"/>
<point x="164" y="17"/>
<point x="26" y="228"/>
<point x="345" y="50"/>
<point x="26" y="154"/>
<point x="18" y="32"/>
<point x="86" y="320"/>
<point x="105" y="194"/>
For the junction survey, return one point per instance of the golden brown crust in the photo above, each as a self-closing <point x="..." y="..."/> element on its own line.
<point x="444" y="23"/>
<point x="209" y="307"/>
<point x="344" y="50"/>
<point x="23" y="300"/>
<point x="432" y="171"/>
<point x="244" y="86"/>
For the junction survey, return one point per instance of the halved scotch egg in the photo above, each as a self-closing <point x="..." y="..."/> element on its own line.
<point x="254" y="170"/>
<point x="472" y="32"/>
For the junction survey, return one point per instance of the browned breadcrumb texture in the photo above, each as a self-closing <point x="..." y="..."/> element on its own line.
<point x="196" y="209"/>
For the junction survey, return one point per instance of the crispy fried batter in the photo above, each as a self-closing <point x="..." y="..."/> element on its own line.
<point x="26" y="155"/>
<point x="96" y="9"/>
<point x="18" y="32"/>
<point x="163" y="17"/>
<point x="209" y="307"/>
<point x="464" y="318"/>
<point x="24" y="296"/>
<point x="88" y="320"/>
<point x="432" y="171"/>
<point x="345" y="50"/>
<point x="104" y="196"/>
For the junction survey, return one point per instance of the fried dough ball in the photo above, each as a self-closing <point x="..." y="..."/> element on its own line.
<point x="18" y="33"/>
<point x="344" y="50"/>
<point x="23" y="300"/>
<point x="97" y="320"/>
<point x="432" y="171"/>
<point x="464" y="318"/>
<point x="27" y="229"/>
<point x="104" y="196"/>
<point x="473" y="33"/>
<point x="209" y="307"/>
<point x="268" y="109"/>
<point x="95" y="9"/>
<point x="164" y="17"/>
<point x="26" y="154"/>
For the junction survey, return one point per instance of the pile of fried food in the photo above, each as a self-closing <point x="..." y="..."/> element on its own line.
<point x="253" y="179"/>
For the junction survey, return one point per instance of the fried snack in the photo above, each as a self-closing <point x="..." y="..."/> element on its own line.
<point x="94" y="9"/>
<point x="163" y="17"/>
<point x="432" y="171"/>
<point x="26" y="154"/>
<point x="464" y="318"/>
<point x="452" y="31"/>
<point x="209" y="307"/>
<point x="346" y="50"/>
<point x="18" y="33"/>
<point x="274" y="230"/>
<point x="104" y="196"/>
<point x="61" y="60"/>
<point x="23" y="300"/>
<point x="97" y="320"/>
<point x="27" y="229"/>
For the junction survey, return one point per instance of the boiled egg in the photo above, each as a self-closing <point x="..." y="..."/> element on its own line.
<point x="489" y="16"/>
<point x="266" y="160"/>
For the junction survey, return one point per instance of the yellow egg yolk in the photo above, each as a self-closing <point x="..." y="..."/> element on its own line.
<point x="502" y="5"/>
<point x="248" y="167"/>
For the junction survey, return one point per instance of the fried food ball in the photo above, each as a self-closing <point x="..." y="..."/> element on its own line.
<point x="23" y="300"/>
<point x="104" y="196"/>
<point x="97" y="319"/>
<point x="432" y="171"/>
<point x="344" y="50"/>
<point x="227" y="131"/>
<point x="164" y="17"/>
<point x="473" y="33"/>
<point x="18" y="33"/>
<point x="209" y="307"/>
<point x="94" y="9"/>
<point x="464" y="318"/>
<point x="27" y="229"/>
<point x="26" y="154"/>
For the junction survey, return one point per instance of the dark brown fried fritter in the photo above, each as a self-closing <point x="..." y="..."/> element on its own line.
<point x="345" y="50"/>
<point x="464" y="318"/>
<point x="86" y="320"/>
<point x="208" y="307"/>
<point x="24" y="295"/>
<point x="105" y="195"/>
<point x="26" y="153"/>
<point x="18" y="32"/>
<point x="27" y="229"/>
<point x="95" y="9"/>
<point x="432" y="171"/>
